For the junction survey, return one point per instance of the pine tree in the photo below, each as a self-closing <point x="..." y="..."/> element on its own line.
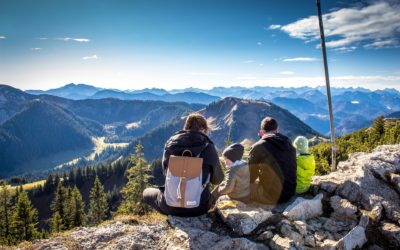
<point x="24" y="218"/>
<point x="98" y="202"/>
<point x="228" y="141"/>
<point x="138" y="180"/>
<point x="5" y="215"/>
<point x="59" y="205"/>
<point x="76" y="209"/>
<point x="56" y="223"/>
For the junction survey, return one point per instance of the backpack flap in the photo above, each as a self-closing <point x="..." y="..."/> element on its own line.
<point x="183" y="183"/>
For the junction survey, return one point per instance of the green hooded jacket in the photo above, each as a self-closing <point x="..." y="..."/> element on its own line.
<point x="305" y="171"/>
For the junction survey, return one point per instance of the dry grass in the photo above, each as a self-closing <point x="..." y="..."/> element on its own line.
<point x="150" y="218"/>
<point x="27" y="186"/>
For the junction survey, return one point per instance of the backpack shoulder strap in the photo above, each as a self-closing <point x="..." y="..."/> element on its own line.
<point x="205" y="147"/>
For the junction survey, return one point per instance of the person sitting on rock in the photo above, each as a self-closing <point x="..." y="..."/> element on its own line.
<point x="272" y="164"/>
<point x="305" y="165"/>
<point x="236" y="185"/>
<point x="192" y="138"/>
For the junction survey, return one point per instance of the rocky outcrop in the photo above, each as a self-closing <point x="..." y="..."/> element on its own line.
<point x="358" y="206"/>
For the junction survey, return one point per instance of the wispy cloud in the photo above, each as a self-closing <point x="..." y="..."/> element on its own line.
<point x="389" y="43"/>
<point x="259" y="43"/>
<point x="3" y="37"/>
<point x="248" y="61"/>
<point x="274" y="26"/>
<point x="286" y="72"/>
<point x="90" y="57"/>
<point x="68" y="39"/>
<point x="42" y="38"/>
<point x="376" y="26"/>
<point x="300" y="59"/>
<point x="36" y="49"/>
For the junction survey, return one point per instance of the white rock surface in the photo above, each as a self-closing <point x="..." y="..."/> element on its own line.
<point x="303" y="209"/>
<point x="242" y="218"/>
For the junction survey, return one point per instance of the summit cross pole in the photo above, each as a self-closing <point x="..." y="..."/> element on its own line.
<point x="328" y="87"/>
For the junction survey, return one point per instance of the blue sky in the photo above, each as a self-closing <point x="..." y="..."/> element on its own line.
<point x="175" y="44"/>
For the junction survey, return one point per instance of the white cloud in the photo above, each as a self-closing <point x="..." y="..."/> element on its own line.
<point x="3" y="37"/>
<point x="300" y="59"/>
<point x="248" y="61"/>
<point x="36" y="49"/>
<point x="344" y="49"/>
<point x="286" y="72"/>
<point x="259" y="43"/>
<point x="42" y="38"/>
<point x="274" y="26"/>
<point x="90" y="57"/>
<point x="80" y="40"/>
<point x="390" y="43"/>
<point x="375" y="25"/>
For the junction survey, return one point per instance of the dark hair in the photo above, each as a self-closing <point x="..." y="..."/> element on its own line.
<point x="269" y="124"/>
<point x="195" y="122"/>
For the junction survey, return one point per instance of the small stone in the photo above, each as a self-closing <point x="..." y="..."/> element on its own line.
<point x="320" y="236"/>
<point x="280" y="243"/>
<point x="329" y="245"/>
<point x="288" y="232"/>
<point x="301" y="227"/>
<point x="267" y="235"/>
<point x="309" y="240"/>
<point x="343" y="209"/>
<point x="395" y="180"/>
<point x="391" y="233"/>
<point x="375" y="214"/>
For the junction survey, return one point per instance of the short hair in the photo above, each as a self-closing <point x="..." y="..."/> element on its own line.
<point x="196" y="122"/>
<point x="269" y="124"/>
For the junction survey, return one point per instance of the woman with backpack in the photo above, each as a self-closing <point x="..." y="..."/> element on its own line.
<point x="190" y="162"/>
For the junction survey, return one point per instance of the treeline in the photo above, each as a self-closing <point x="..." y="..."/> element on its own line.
<point x="363" y="140"/>
<point x="110" y="189"/>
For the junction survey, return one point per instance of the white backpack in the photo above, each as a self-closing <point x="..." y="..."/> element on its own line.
<point x="183" y="184"/>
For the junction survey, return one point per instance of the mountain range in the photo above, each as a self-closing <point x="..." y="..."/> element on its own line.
<point x="234" y="118"/>
<point x="76" y="125"/>
<point x="353" y="108"/>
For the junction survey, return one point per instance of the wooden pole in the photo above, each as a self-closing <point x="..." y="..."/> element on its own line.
<point x="328" y="87"/>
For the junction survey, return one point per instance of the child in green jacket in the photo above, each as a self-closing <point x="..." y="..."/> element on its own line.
<point x="305" y="165"/>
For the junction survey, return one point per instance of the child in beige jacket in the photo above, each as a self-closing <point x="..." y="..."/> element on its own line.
<point x="236" y="185"/>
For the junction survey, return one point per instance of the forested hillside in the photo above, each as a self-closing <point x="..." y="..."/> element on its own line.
<point x="364" y="140"/>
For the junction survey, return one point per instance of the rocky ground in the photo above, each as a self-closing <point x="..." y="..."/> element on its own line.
<point x="358" y="206"/>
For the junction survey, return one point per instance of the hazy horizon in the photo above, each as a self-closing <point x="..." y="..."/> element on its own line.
<point x="126" y="44"/>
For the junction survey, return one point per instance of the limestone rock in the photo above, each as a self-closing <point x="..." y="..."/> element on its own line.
<point x="395" y="180"/>
<point x="267" y="235"/>
<point x="242" y="218"/>
<point x="303" y="209"/>
<point x="200" y="222"/>
<point x="343" y="209"/>
<point x="355" y="238"/>
<point x="301" y="227"/>
<point x="197" y="239"/>
<point x="309" y="241"/>
<point x="280" y="243"/>
<point x="361" y="180"/>
<point x="391" y="232"/>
